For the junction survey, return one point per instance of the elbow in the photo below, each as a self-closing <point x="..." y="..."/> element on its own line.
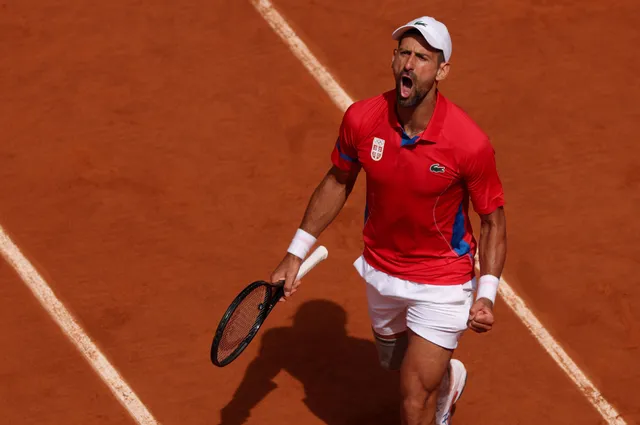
<point x="495" y="221"/>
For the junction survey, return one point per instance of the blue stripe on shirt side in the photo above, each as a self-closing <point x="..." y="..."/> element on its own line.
<point x="459" y="246"/>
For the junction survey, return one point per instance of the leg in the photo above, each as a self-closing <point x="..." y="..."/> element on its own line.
<point x="431" y="381"/>
<point x="388" y="322"/>
<point x="437" y="317"/>
<point x="391" y="349"/>
<point x="422" y="370"/>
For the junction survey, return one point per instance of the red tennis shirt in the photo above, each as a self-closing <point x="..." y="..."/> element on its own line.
<point x="417" y="224"/>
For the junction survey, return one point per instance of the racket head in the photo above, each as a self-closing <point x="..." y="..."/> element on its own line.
<point x="242" y="320"/>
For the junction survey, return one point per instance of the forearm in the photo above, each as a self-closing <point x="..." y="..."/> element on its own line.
<point x="324" y="206"/>
<point x="493" y="248"/>
<point x="327" y="200"/>
<point x="493" y="253"/>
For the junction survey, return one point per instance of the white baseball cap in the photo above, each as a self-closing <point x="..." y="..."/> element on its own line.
<point x="435" y="32"/>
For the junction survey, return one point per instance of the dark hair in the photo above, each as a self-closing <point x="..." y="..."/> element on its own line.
<point x="415" y="32"/>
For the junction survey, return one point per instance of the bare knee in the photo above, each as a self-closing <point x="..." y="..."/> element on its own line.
<point x="391" y="350"/>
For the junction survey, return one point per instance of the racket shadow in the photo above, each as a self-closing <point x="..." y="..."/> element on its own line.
<point x="343" y="381"/>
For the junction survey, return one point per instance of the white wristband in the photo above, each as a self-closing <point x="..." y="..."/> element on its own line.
<point x="301" y="244"/>
<point x="488" y="287"/>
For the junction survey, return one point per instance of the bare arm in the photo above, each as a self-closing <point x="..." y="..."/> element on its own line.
<point x="324" y="206"/>
<point x="327" y="200"/>
<point x="493" y="242"/>
<point x="493" y="253"/>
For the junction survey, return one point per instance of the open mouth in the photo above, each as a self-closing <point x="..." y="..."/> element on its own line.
<point x="406" y="85"/>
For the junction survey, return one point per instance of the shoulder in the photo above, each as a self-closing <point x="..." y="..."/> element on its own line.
<point x="367" y="112"/>
<point x="464" y="132"/>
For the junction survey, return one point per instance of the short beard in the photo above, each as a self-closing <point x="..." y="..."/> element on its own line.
<point x="412" y="100"/>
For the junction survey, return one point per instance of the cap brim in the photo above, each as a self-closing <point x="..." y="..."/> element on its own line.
<point x="433" y="41"/>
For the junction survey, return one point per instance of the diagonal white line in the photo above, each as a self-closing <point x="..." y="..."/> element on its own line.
<point x="343" y="101"/>
<point x="74" y="332"/>
<point x="302" y="52"/>
<point x="558" y="354"/>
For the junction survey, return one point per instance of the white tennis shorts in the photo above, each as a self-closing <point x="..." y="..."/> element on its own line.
<point x="437" y="313"/>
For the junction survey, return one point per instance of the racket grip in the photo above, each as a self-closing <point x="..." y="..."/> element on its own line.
<point x="312" y="260"/>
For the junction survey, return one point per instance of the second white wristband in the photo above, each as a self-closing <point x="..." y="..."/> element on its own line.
<point x="488" y="287"/>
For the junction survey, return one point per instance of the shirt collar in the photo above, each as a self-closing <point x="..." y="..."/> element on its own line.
<point x="433" y="132"/>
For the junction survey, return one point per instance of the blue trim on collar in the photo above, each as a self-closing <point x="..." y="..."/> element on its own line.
<point x="406" y="140"/>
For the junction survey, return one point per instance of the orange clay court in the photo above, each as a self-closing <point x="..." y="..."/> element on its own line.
<point x="157" y="156"/>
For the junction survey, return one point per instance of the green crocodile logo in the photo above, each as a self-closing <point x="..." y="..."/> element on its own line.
<point x="436" y="168"/>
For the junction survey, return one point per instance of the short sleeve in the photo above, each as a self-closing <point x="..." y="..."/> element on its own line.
<point x="345" y="152"/>
<point x="480" y="173"/>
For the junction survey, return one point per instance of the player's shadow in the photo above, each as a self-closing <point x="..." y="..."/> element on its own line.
<point x="343" y="381"/>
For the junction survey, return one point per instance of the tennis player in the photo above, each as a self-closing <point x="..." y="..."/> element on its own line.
<point x="425" y="161"/>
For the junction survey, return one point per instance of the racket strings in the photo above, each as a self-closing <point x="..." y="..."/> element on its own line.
<point x="242" y="321"/>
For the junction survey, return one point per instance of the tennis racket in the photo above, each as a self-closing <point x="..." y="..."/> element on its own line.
<point x="248" y="311"/>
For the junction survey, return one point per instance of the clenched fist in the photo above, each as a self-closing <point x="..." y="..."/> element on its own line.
<point x="481" y="315"/>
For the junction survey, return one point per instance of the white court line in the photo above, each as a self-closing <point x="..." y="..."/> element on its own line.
<point x="302" y="52"/>
<point x="74" y="332"/>
<point x="342" y="100"/>
<point x="558" y="354"/>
